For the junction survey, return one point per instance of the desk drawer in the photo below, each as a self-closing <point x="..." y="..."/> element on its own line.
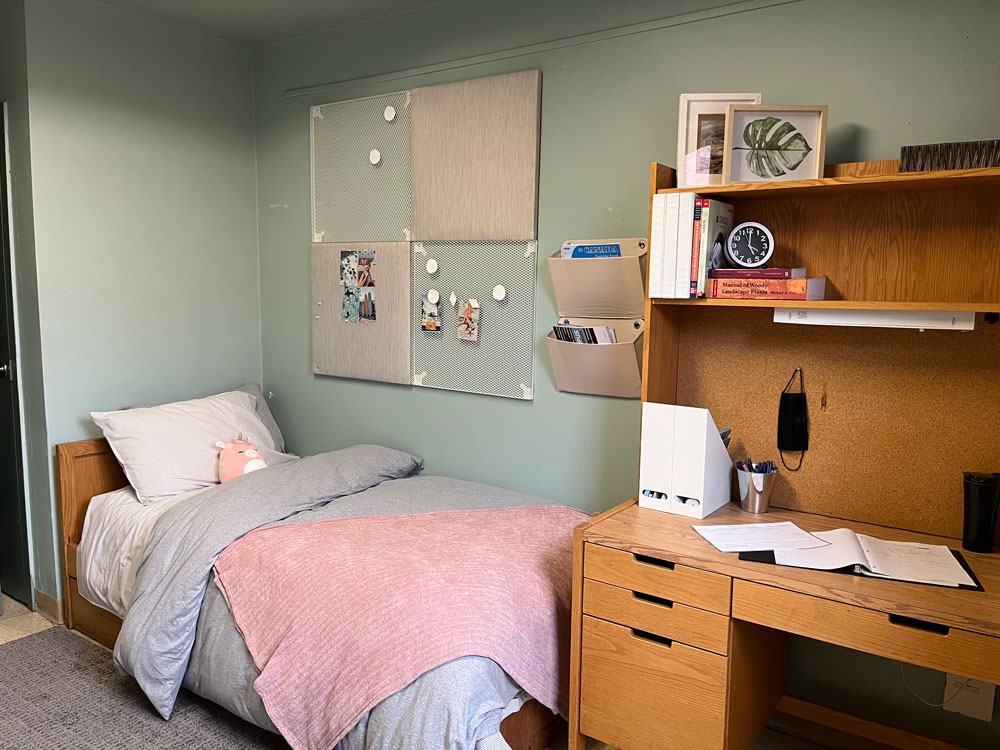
<point x="691" y="626"/>
<point x="677" y="583"/>
<point x="913" y="641"/>
<point x="640" y="694"/>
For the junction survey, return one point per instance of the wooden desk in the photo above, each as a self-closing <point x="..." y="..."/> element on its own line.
<point x="677" y="645"/>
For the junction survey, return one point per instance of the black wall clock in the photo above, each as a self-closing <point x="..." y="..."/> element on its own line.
<point x="750" y="245"/>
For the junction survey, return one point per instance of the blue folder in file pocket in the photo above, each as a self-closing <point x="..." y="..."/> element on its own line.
<point x="684" y="467"/>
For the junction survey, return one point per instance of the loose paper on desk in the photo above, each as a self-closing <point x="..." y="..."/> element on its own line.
<point x="758" y="537"/>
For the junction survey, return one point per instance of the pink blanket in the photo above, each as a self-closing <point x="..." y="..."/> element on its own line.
<point x="340" y="614"/>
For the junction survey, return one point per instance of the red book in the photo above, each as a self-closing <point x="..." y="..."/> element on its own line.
<point x="794" y="289"/>
<point x="757" y="273"/>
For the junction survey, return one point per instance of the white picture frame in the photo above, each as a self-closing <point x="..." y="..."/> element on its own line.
<point x="701" y="116"/>
<point x="805" y="122"/>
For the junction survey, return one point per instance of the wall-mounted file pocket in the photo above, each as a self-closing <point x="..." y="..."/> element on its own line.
<point x="601" y="291"/>
<point x="601" y="287"/>
<point x="600" y="369"/>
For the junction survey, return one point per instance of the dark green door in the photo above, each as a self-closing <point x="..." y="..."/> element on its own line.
<point x="15" y="578"/>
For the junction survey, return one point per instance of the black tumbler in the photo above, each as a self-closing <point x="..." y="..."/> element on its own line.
<point x="982" y="502"/>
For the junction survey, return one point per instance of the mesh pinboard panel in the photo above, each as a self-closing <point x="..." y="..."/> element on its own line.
<point x="354" y="200"/>
<point x="500" y="362"/>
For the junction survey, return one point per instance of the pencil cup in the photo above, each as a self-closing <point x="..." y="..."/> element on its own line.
<point x="755" y="490"/>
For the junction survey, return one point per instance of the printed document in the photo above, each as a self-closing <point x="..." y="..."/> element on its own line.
<point x="904" y="561"/>
<point x="758" y="537"/>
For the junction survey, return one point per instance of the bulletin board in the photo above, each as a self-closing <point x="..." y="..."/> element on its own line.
<point x="500" y="361"/>
<point x="447" y="173"/>
<point x="361" y="310"/>
<point x="353" y="199"/>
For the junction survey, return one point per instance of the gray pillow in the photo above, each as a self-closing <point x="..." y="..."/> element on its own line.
<point x="264" y="412"/>
<point x="168" y="449"/>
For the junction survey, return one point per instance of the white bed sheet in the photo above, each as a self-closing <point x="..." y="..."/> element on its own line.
<point x="115" y="531"/>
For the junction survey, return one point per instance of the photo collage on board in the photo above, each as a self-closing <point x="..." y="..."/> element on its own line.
<point x="357" y="277"/>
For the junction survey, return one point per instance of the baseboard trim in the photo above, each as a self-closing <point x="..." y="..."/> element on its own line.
<point x="51" y="609"/>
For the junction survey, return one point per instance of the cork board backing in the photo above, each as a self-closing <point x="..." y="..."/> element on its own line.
<point x="895" y="416"/>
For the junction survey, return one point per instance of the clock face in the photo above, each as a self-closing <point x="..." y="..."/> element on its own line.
<point x="750" y="245"/>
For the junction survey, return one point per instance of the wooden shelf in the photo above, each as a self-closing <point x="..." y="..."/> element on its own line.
<point x="898" y="182"/>
<point x="908" y="413"/>
<point x="836" y="304"/>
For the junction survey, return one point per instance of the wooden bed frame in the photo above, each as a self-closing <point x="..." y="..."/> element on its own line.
<point x="88" y="468"/>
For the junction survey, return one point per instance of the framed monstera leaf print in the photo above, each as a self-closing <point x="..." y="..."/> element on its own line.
<point x="769" y="143"/>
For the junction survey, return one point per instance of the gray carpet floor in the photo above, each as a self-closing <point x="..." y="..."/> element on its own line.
<point x="61" y="692"/>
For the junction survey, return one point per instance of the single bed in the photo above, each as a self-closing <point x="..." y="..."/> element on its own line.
<point x="88" y="469"/>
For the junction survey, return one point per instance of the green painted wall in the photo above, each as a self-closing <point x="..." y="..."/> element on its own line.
<point x="893" y="73"/>
<point x="142" y="169"/>
<point x="14" y="89"/>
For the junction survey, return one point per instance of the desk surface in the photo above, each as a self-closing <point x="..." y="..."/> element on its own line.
<point x="657" y="534"/>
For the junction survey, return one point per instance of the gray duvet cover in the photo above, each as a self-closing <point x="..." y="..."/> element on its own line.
<point x="179" y="628"/>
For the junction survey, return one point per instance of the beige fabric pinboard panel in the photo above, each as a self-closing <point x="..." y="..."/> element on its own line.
<point x="376" y="350"/>
<point x="474" y="171"/>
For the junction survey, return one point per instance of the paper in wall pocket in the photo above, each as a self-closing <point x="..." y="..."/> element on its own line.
<point x="468" y="320"/>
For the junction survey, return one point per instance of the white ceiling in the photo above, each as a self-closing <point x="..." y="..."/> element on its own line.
<point x="260" y="22"/>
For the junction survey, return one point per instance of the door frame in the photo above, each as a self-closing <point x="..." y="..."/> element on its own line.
<point x="7" y="176"/>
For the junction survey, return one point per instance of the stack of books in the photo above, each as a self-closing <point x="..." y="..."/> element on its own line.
<point x="686" y="252"/>
<point x="765" y="283"/>
<point x="686" y="242"/>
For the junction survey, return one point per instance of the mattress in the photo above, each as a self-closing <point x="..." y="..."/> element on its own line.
<point x="115" y="531"/>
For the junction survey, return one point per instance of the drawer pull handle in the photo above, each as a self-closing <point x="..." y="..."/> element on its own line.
<point x="912" y="622"/>
<point x="654" y="561"/>
<point x="652" y="637"/>
<point x="652" y="599"/>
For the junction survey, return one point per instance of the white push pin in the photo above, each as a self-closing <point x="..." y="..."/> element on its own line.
<point x="499" y="293"/>
<point x="432" y="266"/>
<point x="389" y="114"/>
<point x="374" y="157"/>
<point x="433" y="297"/>
<point x="453" y="299"/>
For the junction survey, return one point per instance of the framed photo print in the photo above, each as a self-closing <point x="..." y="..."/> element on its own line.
<point x="701" y="130"/>
<point x="772" y="143"/>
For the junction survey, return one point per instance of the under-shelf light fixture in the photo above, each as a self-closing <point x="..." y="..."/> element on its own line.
<point x="938" y="320"/>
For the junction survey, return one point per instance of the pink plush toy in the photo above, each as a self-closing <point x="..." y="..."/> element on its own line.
<point x="238" y="457"/>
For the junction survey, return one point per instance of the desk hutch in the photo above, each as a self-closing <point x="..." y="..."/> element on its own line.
<point x="676" y="645"/>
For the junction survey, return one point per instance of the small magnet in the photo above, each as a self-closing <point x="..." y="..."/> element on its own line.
<point x="432" y="266"/>
<point x="453" y="299"/>
<point x="433" y="297"/>
<point x="389" y="114"/>
<point x="499" y="293"/>
<point x="374" y="157"/>
<point x="474" y="304"/>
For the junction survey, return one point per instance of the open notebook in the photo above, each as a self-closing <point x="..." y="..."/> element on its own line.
<point x="932" y="564"/>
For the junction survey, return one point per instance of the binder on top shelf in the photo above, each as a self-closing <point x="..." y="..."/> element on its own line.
<point x="685" y="235"/>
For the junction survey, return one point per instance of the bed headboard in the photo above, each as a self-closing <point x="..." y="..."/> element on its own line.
<point x="86" y="468"/>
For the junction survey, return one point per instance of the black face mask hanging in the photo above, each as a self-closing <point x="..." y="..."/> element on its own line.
<point x="793" y="421"/>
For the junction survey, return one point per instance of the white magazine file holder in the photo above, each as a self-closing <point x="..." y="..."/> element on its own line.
<point x="684" y="467"/>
